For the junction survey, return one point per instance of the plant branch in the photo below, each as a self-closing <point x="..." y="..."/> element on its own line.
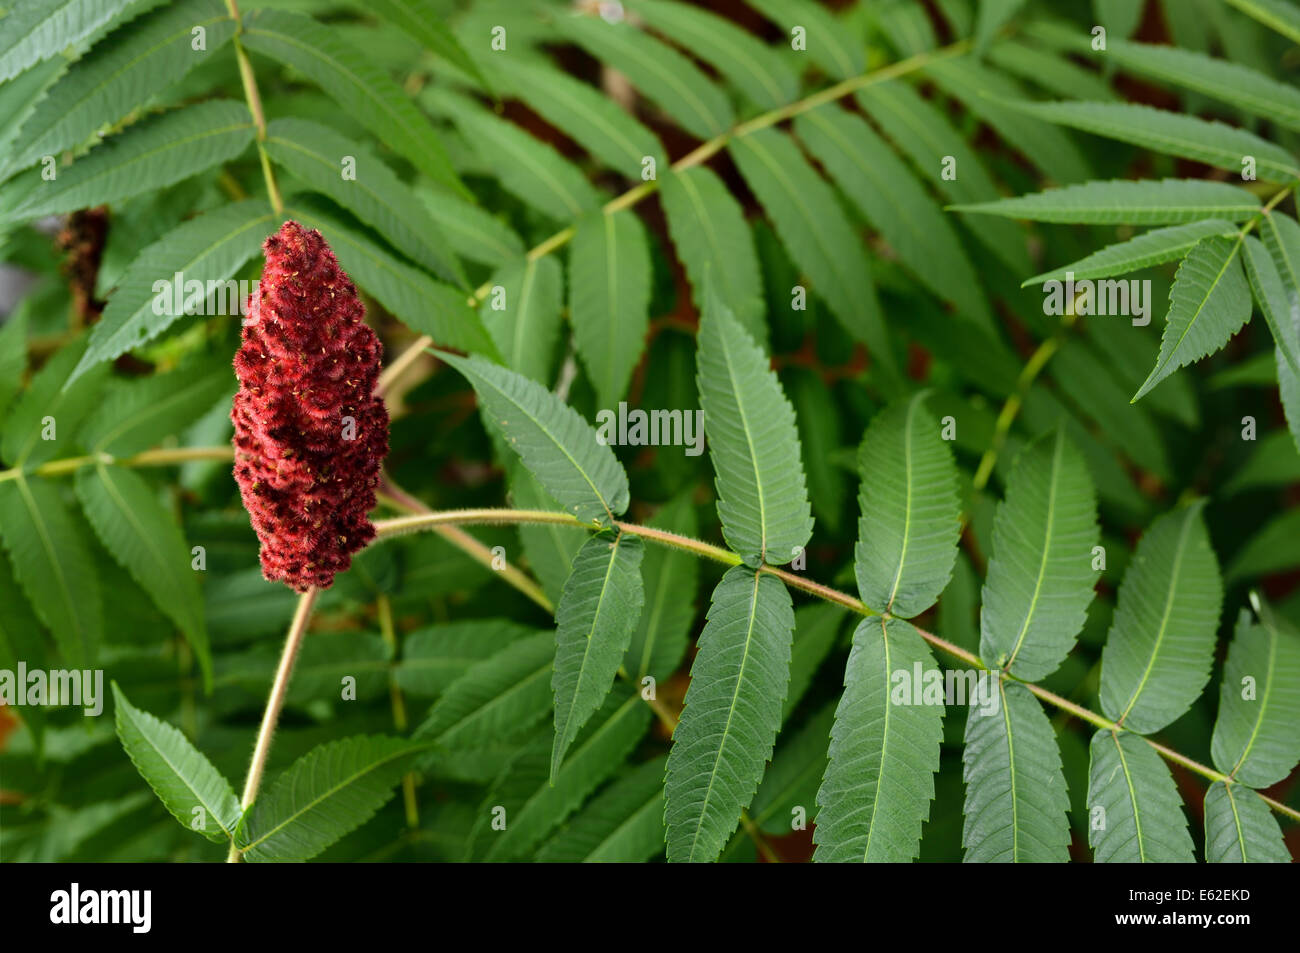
<point x="431" y="520"/>
<point x="274" y="703"/>
<point x="696" y="156"/>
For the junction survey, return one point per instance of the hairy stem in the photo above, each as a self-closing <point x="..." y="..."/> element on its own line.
<point x="254" y="99"/>
<point x="149" y="458"/>
<point x="696" y="156"/>
<point x="430" y="520"/>
<point x="384" y="610"/>
<point x="274" y="703"/>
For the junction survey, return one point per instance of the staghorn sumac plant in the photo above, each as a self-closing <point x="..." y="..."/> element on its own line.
<point x="656" y="430"/>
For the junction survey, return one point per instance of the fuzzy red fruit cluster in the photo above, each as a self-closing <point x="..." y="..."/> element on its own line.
<point x="310" y="434"/>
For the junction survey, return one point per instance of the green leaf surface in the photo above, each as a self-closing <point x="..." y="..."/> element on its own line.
<point x="1208" y="304"/>
<point x="753" y="443"/>
<point x="911" y="517"/>
<point x="609" y="299"/>
<point x="52" y="563"/>
<point x="591" y="119"/>
<point x="672" y="579"/>
<point x="316" y="155"/>
<point x="35" y="30"/>
<point x="1171" y="133"/>
<point x="208" y="248"/>
<point x="1040" y="578"/>
<point x="1240" y="828"/>
<point x="496" y="699"/>
<point x="982" y="91"/>
<point x="622" y="824"/>
<point x="1255" y="741"/>
<point x="527" y="167"/>
<point x="713" y="242"/>
<point x="596" y="754"/>
<point x="360" y="87"/>
<point x="1141" y="251"/>
<point x="826" y="40"/>
<point x="526" y="326"/>
<point x="1273" y="300"/>
<point x="884" y="752"/>
<point x="185" y="781"/>
<point x="421" y="303"/>
<point x="1135" y="813"/>
<point x="787" y="798"/>
<point x="13" y="357"/>
<point x="752" y="67"/>
<point x="421" y="20"/>
<point x="660" y="72"/>
<point x="1224" y="80"/>
<point x="45" y="418"/>
<point x="731" y="714"/>
<point x="1161" y="642"/>
<point x="891" y="199"/>
<point x="1016" y="799"/>
<point x="923" y="133"/>
<point x="331" y="790"/>
<point x="138" y="414"/>
<point x="123" y="72"/>
<point x="139" y="532"/>
<point x="471" y="231"/>
<point x="818" y="236"/>
<point x="560" y="448"/>
<point x="595" y="618"/>
<point x="1123" y="202"/>
<point x="435" y="656"/>
<point x="149" y="155"/>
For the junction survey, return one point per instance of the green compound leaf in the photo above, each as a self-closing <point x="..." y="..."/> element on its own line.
<point x="316" y="155"/>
